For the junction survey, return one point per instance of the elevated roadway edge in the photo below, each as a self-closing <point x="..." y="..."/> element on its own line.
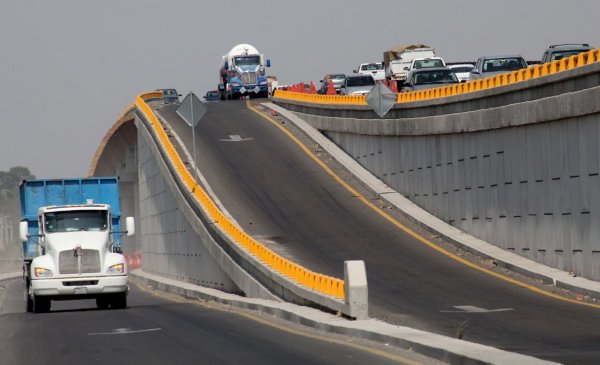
<point x="447" y="349"/>
<point x="435" y="225"/>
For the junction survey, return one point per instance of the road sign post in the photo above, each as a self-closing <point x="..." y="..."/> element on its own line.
<point x="192" y="110"/>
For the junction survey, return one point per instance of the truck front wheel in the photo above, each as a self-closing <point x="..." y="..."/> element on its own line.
<point x="119" y="301"/>
<point x="40" y="304"/>
<point x="102" y="303"/>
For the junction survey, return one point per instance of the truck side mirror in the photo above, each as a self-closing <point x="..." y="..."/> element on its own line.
<point x="130" y="226"/>
<point x="23" y="230"/>
<point x="268" y="63"/>
<point x="355" y="71"/>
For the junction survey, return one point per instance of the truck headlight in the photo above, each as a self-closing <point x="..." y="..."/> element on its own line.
<point x="116" y="269"/>
<point x="40" y="272"/>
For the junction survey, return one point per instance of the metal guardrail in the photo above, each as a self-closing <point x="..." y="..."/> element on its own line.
<point x="329" y="286"/>
<point x="535" y="71"/>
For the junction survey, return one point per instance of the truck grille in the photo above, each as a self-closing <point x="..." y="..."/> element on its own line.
<point x="90" y="262"/>
<point x="249" y="78"/>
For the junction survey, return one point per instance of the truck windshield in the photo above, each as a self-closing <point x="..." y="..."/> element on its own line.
<point x="504" y="64"/>
<point x="76" y="220"/>
<point x="360" y="81"/>
<point x="372" y="67"/>
<point x="246" y="60"/>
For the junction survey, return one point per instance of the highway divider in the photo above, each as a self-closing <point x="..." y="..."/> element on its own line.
<point x="532" y="72"/>
<point x="325" y="291"/>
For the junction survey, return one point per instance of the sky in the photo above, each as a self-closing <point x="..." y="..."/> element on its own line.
<point x="69" y="68"/>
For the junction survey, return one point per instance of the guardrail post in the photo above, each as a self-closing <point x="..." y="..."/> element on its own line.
<point x="356" y="290"/>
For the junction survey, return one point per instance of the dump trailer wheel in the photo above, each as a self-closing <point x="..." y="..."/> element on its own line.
<point x="28" y="301"/>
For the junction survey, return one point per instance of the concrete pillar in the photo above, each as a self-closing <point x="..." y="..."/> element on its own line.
<point x="356" y="289"/>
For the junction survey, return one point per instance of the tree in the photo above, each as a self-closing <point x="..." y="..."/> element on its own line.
<point x="10" y="204"/>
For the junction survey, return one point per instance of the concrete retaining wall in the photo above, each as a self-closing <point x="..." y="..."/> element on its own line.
<point x="518" y="169"/>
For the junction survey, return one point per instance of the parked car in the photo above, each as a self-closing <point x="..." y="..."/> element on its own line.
<point x="357" y="85"/>
<point x="374" y="69"/>
<point x="461" y="70"/>
<point x="338" y="80"/>
<point x="427" y="78"/>
<point x="557" y="51"/>
<point x="418" y="63"/>
<point x="170" y="95"/>
<point x="212" y="95"/>
<point x="488" y="66"/>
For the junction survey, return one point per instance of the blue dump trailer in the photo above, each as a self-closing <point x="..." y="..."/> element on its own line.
<point x="71" y="233"/>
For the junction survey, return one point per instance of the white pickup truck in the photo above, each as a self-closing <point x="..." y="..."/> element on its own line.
<point x="374" y="69"/>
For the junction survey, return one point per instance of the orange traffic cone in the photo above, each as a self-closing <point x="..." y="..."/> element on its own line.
<point x="313" y="89"/>
<point x="385" y="82"/>
<point x="301" y="87"/>
<point x="393" y="86"/>
<point x="330" y="88"/>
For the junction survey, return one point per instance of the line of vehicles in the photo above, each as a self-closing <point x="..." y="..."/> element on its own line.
<point x="417" y="67"/>
<point x="242" y="71"/>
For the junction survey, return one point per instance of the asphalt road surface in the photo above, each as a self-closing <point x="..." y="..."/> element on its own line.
<point x="284" y="199"/>
<point x="160" y="328"/>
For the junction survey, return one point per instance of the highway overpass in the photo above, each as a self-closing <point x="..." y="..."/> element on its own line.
<point x="511" y="161"/>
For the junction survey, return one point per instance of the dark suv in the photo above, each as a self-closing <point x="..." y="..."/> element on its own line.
<point x="557" y="51"/>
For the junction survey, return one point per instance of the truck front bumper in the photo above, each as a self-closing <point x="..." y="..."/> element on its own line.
<point x="249" y="89"/>
<point x="83" y="286"/>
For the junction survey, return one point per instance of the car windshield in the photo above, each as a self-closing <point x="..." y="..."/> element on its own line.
<point x="360" y="81"/>
<point x="338" y="77"/>
<point x="246" y="60"/>
<point x="462" y="69"/>
<point x="428" y="63"/>
<point x="170" y="92"/>
<point x="213" y="93"/>
<point x="565" y="54"/>
<point x="435" y="77"/>
<point x="76" y="220"/>
<point x="504" y="64"/>
<point x="372" y="67"/>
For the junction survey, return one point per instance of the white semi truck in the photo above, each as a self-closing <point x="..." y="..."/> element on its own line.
<point x="397" y="60"/>
<point x="242" y="73"/>
<point x="71" y="236"/>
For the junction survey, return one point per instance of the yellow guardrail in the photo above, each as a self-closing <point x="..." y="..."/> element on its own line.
<point x="582" y="59"/>
<point x="321" y="283"/>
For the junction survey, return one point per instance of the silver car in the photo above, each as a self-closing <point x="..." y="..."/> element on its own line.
<point x="338" y="81"/>
<point x="357" y="85"/>
<point x="428" y="78"/>
<point x="489" y="66"/>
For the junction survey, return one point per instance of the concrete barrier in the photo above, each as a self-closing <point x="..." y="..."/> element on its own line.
<point x="515" y="165"/>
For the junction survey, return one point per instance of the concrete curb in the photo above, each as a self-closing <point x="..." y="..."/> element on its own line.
<point x="435" y="225"/>
<point x="440" y="347"/>
<point x="11" y="275"/>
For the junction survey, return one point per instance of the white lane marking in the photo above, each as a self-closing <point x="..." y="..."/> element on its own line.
<point x="235" y="138"/>
<point x="124" y="331"/>
<point x="473" y="309"/>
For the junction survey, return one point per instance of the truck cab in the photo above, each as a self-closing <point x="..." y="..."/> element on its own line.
<point x="397" y="61"/>
<point x="72" y="251"/>
<point x="243" y="73"/>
